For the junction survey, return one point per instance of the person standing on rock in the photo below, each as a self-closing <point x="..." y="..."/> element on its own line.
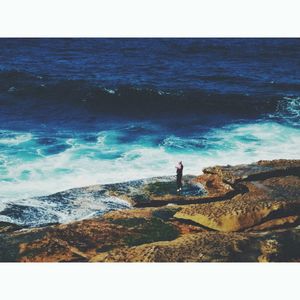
<point x="179" y="170"/>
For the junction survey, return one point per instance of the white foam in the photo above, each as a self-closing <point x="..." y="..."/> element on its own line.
<point x="14" y="138"/>
<point x="6" y="219"/>
<point x="289" y="110"/>
<point x="234" y="144"/>
<point x="39" y="211"/>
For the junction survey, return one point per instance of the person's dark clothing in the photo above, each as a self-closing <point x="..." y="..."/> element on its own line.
<point x="179" y="181"/>
<point x="179" y="177"/>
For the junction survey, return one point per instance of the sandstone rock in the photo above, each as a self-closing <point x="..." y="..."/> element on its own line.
<point x="260" y="201"/>
<point x="79" y="241"/>
<point x="213" y="247"/>
<point x="290" y="221"/>
<point x="231" y="213"/>
<point x="256" y="171"/>
<point x="214" y="186"/>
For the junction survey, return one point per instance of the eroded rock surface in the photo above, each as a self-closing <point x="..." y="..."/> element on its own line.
<point x="213" y="247"/>
<point x="268" y="200"/>
<point x="230" y="213"/>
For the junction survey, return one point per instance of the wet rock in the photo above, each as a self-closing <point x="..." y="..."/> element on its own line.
<point x="62" y="207"/>
<point x="157" y="191"/>
<point x="6" y="227"/>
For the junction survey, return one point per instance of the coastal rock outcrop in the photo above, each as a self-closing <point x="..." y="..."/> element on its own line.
<point x="213" y="247"/>
<point x="229" y="213"/>
<point x="80" y="241"/>
<point x="266" y="199"/>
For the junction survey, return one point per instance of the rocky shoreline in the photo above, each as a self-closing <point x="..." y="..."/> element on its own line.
<point x="244" y="213"/>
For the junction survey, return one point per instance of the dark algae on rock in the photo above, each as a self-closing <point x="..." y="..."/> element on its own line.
<point x="148" y="231"/>
<point x="244" y="213"/>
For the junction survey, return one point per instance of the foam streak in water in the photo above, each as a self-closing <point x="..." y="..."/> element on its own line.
<point x="107" y="160"/>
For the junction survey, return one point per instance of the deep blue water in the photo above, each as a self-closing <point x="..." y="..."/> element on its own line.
<point x="76" y="112"/>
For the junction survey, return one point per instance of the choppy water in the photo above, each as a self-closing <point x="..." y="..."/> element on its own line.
<point x="77" y="112"/>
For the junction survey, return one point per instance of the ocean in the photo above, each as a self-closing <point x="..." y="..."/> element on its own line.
<point x="79" y="112"/>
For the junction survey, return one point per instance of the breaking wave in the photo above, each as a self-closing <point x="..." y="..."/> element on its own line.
<point x="36" y="93"/>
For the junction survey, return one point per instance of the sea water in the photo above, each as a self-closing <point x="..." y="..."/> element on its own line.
<point x="79" y="112"/>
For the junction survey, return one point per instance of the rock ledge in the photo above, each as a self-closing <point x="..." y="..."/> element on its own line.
<point x="230" y="213"/>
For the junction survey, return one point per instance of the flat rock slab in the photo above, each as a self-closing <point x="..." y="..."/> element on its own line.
<point x="157" y="191"/>
<point x="261" y="203"/>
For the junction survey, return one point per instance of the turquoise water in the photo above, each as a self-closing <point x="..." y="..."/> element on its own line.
<point x="39" y="163"/>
